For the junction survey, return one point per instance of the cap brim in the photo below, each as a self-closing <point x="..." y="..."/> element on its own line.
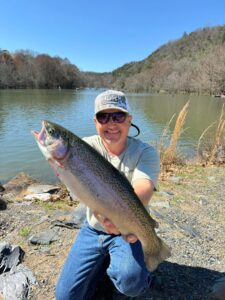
<point x="116" y="107"/>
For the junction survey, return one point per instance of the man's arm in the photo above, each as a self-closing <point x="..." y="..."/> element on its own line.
<point x="144" y="190"/>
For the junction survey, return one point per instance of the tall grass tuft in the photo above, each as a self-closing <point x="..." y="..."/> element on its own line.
<point x="213" y="150"/>
<point x="169" y="155"/>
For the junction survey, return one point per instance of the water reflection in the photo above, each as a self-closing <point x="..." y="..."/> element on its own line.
<point x="23" y="110"/>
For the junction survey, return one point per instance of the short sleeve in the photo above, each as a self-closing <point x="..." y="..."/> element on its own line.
<point x="148" y="166"/>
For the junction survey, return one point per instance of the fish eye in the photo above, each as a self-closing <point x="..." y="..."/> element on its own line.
<point x="51" y="131"/>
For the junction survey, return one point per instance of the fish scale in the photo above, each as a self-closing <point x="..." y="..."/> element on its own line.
<point x="99" y="185"/>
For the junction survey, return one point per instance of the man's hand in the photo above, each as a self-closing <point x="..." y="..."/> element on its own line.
<point x="111" y="228"/>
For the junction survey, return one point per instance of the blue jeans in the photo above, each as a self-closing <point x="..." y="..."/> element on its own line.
<point x="84" y="266"/>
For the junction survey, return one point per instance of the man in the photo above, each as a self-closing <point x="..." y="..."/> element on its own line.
<point x="99" y="237"/>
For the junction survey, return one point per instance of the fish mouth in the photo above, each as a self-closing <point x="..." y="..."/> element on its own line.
<point x="53" y="147"/>
<point x="42" y="135"/>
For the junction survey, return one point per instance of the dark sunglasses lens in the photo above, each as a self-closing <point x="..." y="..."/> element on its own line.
<point x="118" y="117"/>
<point x="102" y="118"/>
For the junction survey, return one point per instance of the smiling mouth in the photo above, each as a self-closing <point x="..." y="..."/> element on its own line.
<point x="111" y="132"/>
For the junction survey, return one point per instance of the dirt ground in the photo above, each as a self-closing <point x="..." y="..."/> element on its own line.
<point x="189" y="207"/>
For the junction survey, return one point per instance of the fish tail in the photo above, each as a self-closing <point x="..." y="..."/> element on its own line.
<point x="153" y="260"/>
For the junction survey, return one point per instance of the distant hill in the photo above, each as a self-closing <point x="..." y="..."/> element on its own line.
<point x="26" y="69"/>
<point x="193" y="63"/>
<point x="98" y="80"/>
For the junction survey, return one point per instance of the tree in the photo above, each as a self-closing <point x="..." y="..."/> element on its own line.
<point x="7" y="70"/>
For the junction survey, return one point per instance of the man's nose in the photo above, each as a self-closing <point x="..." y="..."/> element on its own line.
<point x="111" y="121"/>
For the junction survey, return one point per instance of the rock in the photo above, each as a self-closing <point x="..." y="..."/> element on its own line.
<point x="41" y="197"/>
<point x="203" y="201"/>
<point x="165" y="194"/>
<point x="44" y="238"/>
<point x="3" y="204"/>
<point x="1" y="188"/>
<point x="218" y="289"/>
<point x="10" y="256"/>
<point x="20" y="181"/>
<point x="220" y="154"/>
<point x="17" y="185"/>
<point x="41" y="188"/>
<point x="72" y="219"/>
<point x="15" y="285"/>
<point x="175" y="179"/>
<point x="188" y="230"/>
<point x="163" y="204"/>
<point x="212" y="178"/>
<point x="162" y="217"/>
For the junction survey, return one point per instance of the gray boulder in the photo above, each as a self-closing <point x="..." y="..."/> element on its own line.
<point x="15" y="285"/>
<point x="10" y="256"/>
<point x="44" y="237"/>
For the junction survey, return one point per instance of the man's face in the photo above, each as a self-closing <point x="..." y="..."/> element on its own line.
<point x="113" y="133"/>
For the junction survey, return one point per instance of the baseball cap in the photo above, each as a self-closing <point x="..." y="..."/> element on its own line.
<point x="111" y="99"/>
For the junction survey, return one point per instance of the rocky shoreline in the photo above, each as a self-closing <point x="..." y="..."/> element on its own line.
<point x="189" y="206"/>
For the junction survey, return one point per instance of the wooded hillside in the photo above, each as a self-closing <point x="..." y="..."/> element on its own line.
<point x="193" y="63"/>
<point x="25" y="69"/>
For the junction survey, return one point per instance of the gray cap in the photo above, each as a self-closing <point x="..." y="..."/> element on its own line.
<point x="111" y="99"/>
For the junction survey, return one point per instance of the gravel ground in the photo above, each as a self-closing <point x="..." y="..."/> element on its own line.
<point x="189" y="207"/>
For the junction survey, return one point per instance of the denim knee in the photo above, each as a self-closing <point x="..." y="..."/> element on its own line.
<point x="134" y="288"/>
<point x="132" y="285"/>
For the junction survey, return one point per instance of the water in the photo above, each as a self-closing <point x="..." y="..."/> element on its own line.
<point x="23" y="110"/>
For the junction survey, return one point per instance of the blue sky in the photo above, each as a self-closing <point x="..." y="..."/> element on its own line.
<point x="102" y="35"/>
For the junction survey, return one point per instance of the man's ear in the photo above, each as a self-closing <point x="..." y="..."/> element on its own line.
<point x="130" y="119"/>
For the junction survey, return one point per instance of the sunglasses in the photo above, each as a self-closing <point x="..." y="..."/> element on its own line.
<point x="116" y="117"/>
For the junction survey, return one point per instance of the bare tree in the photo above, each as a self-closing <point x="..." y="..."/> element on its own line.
<point x="7" y="70"/>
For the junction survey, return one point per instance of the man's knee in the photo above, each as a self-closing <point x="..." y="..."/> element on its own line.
<point x="134" y="288"/>
<point x="132" y="285"/>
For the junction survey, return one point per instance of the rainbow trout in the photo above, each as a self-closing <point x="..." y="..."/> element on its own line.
<point x="101" y="187"/>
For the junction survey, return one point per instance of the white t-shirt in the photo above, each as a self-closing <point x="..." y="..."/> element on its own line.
<point x="139" y="160"/>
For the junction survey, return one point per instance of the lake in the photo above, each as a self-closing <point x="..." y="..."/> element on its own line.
<point x="23" y="110"/>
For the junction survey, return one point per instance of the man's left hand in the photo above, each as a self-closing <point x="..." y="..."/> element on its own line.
<point x="111" y="229"/>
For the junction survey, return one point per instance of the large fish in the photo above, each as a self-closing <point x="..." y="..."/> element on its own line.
<point x="101" y="187"/>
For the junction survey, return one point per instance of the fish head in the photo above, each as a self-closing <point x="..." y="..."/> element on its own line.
<point x="52" y="141"/>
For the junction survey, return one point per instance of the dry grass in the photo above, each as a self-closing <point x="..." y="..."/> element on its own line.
<point x="212" y="151"/>
<point x="169" y="155"/>
<point x="210" y="148"/>
<point x="164" y="136"/>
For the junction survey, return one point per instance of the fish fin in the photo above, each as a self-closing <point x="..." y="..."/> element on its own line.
<point x="153" y="260"/>
<point x="155" y="224"/>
